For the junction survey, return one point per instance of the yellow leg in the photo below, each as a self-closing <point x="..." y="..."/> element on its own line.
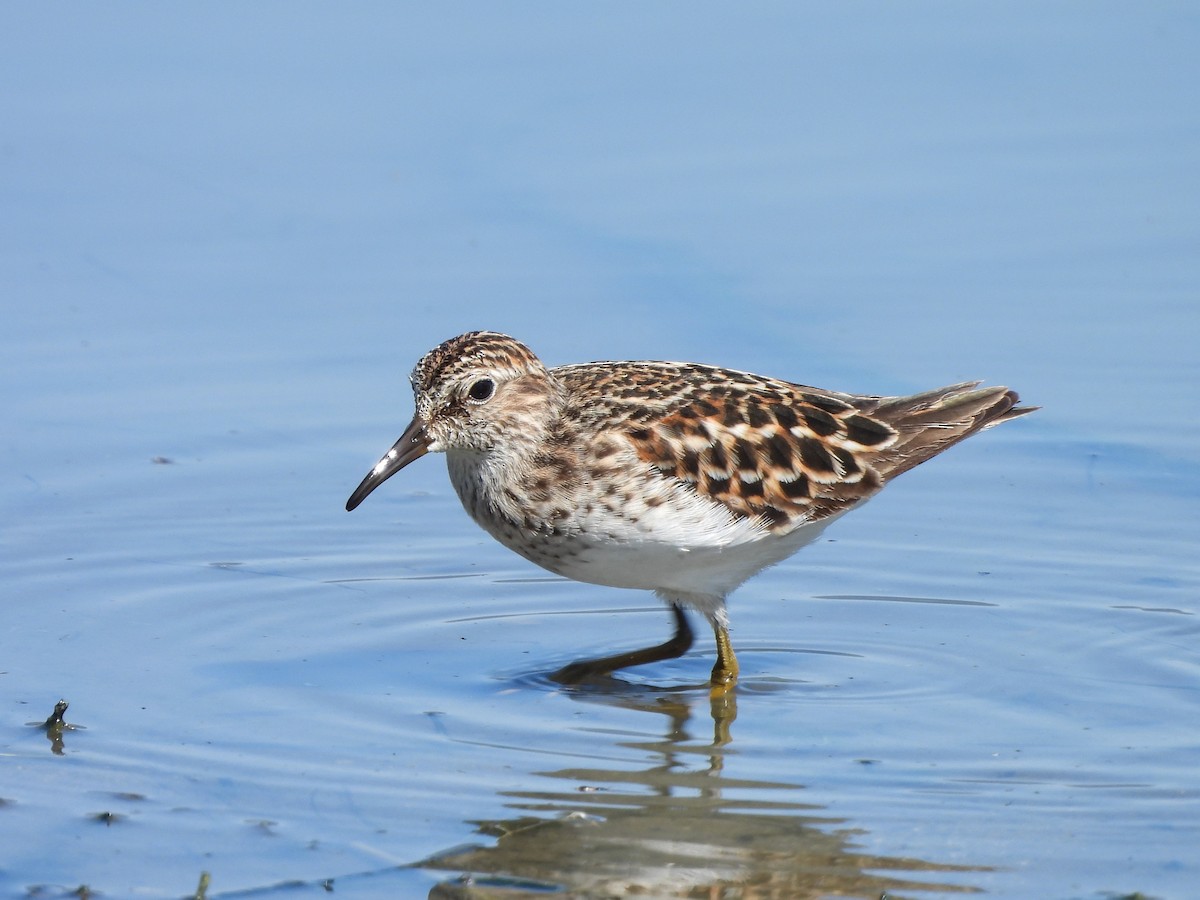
<point x="725" y="672"/>
<point x="678" y="645"/>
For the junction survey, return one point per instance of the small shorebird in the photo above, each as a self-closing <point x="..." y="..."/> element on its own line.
<point x="678" y="478"/>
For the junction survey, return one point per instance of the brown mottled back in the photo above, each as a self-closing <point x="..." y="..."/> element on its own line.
<point x="784" y="453"/>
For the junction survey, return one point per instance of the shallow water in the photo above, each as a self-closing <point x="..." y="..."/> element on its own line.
<point x="227" y="238"/>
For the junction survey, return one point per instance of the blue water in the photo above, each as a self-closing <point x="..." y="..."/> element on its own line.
<point x="227" y="233"/>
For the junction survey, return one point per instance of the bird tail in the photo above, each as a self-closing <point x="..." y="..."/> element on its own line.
<point x="929" y="422"/>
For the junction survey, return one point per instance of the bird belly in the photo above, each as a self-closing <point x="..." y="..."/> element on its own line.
<point x="657" y="536"/>
<point x="674" y="568"/>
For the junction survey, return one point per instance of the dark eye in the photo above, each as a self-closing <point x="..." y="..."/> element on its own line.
<point x="482" y="390"/>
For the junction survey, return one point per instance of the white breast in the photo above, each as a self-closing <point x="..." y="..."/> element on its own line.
<point x="655" y="534"/>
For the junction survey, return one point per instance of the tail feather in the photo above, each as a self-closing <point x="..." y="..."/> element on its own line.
<point x="929" y="422"/>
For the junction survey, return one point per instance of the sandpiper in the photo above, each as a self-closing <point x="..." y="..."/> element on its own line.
<point x="679" y="478"/>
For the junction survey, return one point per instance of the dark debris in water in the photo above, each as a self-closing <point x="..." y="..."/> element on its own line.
<point x="55" y="726"/>
<point x="56" y="718"/>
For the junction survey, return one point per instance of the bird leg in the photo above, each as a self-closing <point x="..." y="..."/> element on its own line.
<point x="725" y="672"/>
<point x="676" y="646"/>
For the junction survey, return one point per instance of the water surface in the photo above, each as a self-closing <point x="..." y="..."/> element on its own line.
<point x="226" y="237"/>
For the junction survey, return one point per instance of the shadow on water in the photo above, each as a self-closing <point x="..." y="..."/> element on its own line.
<point x="677" y="827"/>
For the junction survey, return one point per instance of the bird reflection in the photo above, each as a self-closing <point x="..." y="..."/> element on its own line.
<point x="677" y="827"/>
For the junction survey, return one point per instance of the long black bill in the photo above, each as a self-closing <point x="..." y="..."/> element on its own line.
<point x="413" y="444"/>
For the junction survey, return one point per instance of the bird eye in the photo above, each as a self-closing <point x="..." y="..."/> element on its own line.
<point x="482" y="390"/>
